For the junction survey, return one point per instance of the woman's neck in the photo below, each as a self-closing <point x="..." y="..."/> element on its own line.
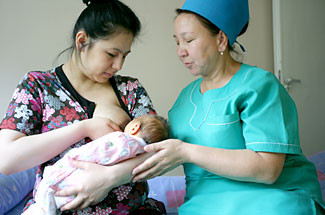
<point x="73" y="70"/>
<point x="87" y="88"/>
<point x="225" y="69"/>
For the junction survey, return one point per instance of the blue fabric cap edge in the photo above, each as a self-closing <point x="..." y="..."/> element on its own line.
<point x="228" y="15"/>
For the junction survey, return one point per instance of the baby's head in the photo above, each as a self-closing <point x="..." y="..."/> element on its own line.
<point x="151" y="128"/>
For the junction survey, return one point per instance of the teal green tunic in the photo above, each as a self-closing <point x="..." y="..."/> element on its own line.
<point x="253" y="111"/>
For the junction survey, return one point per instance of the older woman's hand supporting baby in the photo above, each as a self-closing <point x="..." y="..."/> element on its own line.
<point x="260" y="167"/>
<point x="168" y="154"/>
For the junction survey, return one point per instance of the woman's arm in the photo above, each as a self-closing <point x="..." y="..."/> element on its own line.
<point x="242" y="165"/>
<point x="90" y="190"/>
<point x="19" y="152"/>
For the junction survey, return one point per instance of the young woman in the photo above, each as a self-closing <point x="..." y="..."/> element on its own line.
<point x="56" y="110"/>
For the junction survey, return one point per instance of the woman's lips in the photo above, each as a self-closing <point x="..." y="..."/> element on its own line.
<point x="187" y="64"/>
<point x="108" y="75"/>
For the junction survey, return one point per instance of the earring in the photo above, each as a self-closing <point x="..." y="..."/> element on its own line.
<point x="221" y="53"/>
<point x="135" y="129"/>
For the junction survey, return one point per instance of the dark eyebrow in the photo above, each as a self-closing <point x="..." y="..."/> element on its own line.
<point x="182" y="34"/>
<point x="118" y="50"/>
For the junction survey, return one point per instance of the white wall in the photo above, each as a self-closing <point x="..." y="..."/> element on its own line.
<point x="33" y="32"/>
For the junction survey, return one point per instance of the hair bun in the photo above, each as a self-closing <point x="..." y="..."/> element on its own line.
<point x="88" y="2"/>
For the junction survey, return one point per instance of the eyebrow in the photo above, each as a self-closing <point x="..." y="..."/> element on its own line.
<point x="183" y="34"/>
<point x="120" y="51"/>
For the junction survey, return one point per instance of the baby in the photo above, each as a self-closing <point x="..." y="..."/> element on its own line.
<point x="107" y="150"/>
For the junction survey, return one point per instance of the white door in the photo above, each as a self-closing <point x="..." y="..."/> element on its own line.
<point x="299" y="42"/>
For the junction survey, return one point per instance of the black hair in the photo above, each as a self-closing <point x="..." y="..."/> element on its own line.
<point x="102" y="19"/>
<point x="212" y="28"/>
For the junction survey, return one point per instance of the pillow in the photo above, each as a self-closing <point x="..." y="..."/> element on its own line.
<point x="168" y="189"/>
<point x="14" y="187"/>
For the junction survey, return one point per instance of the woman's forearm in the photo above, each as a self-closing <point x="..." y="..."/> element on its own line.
<point x="243" y="165"/>
<point x="19" y="152"/>
<point x="123" y="170"/>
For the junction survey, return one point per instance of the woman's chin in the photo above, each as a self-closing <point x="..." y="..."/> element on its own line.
<point x="194" y="72"/>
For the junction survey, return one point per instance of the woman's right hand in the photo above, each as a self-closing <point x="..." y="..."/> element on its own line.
<point x="168" y="154"/>
<point x="99" y="126"/>
<point x="98" y="180"/>
<point x="92" y="187"/>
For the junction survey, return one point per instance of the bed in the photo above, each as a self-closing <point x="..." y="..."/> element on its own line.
<point x="14" y="189"/>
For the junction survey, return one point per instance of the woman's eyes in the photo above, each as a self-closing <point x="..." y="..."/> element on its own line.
<point x="111" y="55"/>
<point x="187" y="41"/>
<point x="114" y="55"/>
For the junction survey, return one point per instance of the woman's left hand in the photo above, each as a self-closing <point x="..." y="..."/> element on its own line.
<point x="90" y="189"/>
<point x="168" y="155"/>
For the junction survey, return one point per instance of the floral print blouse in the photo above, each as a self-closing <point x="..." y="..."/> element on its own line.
<point x="44" y="101"/>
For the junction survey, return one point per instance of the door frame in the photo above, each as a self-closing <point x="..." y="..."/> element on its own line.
<point x="277" y="39"/>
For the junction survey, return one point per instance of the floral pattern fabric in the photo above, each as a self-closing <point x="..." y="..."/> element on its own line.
<point x="41" y="103"/>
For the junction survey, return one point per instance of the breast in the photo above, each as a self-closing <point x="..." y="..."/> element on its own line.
<point x="113" y="112"/>
<point x="107" y="104"/>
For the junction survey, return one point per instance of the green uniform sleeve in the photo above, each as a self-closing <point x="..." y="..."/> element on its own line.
<point x="269" y="116"/>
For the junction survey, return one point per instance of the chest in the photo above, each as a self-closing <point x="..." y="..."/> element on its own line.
<point x="107" y="105"/>
<point x="207" y="121"/>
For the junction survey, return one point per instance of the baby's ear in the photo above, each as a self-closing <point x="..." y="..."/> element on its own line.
<point x="135" y="128"/>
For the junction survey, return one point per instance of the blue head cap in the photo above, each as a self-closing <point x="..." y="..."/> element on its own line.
<point x="228" y="15"/>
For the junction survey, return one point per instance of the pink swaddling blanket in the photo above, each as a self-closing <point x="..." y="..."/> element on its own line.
<point x="107" y="150"/>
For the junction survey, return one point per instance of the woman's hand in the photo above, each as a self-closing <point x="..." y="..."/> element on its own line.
<point x="91" y="188"/>
<point x="169" y="154"/>
<point x="98" y="180"/>
<point x="98" y="126"/>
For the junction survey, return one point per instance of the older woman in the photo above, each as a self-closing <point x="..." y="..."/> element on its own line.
<point x="236" y="126"/>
